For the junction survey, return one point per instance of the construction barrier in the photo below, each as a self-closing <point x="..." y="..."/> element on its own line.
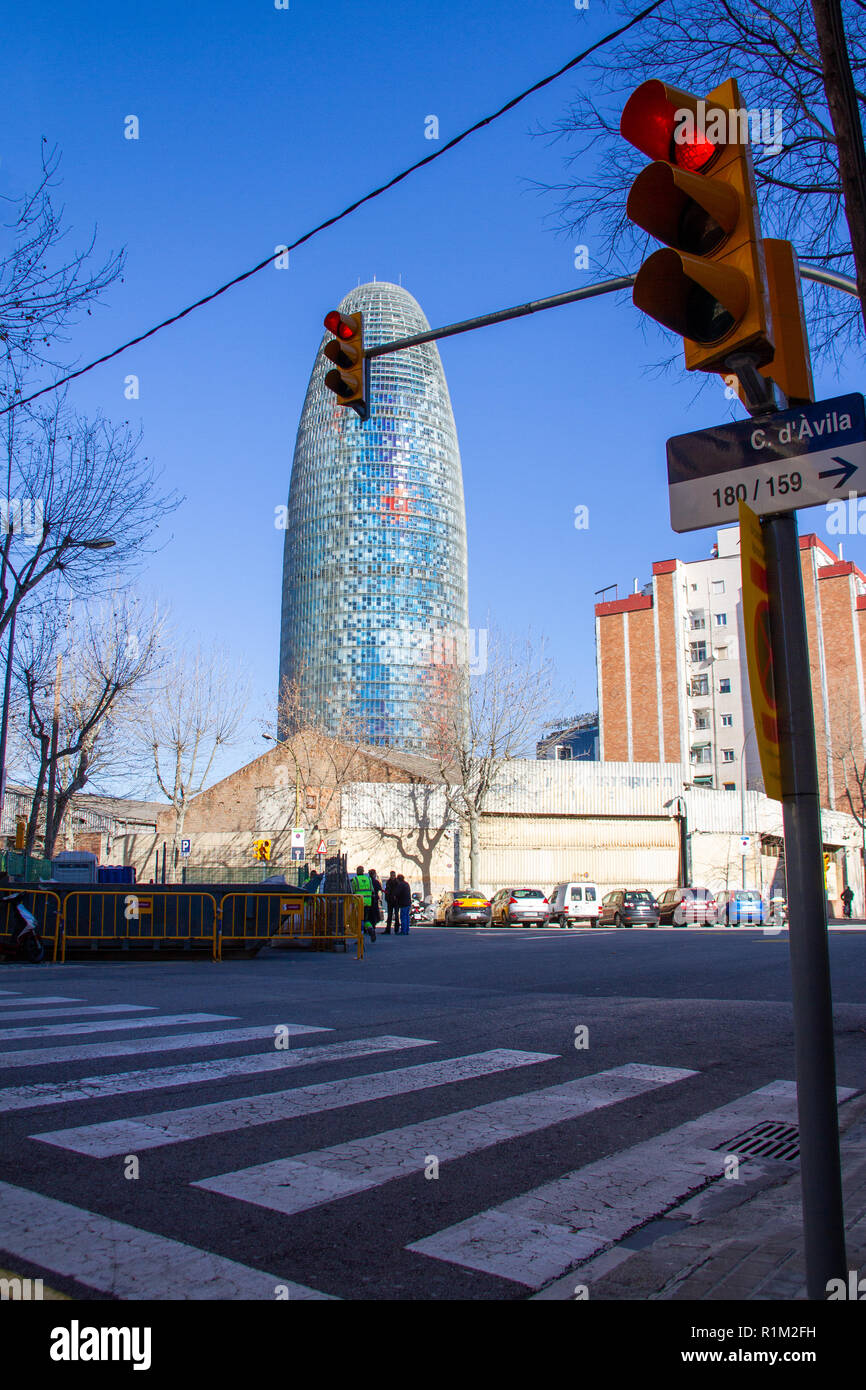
<point x="151" y="914"/>
<point x="124" y="916"/>
<point x="320" y="918"/>
<point x="46" y="907"/>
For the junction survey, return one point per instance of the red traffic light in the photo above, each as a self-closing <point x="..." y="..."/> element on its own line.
<point x="665" y="123"/>
<point x="335" y="323"/>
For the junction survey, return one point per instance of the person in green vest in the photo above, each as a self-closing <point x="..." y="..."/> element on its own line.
<point x="362" y="887"/>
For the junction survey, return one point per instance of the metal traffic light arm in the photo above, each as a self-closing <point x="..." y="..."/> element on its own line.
<point x="534" y="306"/>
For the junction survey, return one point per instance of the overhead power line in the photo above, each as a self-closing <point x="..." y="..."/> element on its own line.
<point x="368" y="197"/>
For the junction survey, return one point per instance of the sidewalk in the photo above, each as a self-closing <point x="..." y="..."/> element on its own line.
<point x="737" y="1240"/>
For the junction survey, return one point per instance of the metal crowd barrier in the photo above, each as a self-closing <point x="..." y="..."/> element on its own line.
<point x="108" y="914"/>
<point x="320" y="918"/>
<point x="46" y="907"/>
<point x="152" y="914"/>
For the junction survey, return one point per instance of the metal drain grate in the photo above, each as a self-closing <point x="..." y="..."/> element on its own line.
<point x="770" y="1139"/>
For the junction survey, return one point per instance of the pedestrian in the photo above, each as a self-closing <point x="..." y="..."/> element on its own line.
<point x="847" y="899"/>
<point x="404" y="903"/>
<point x="376" y="913"/>
<point x="391" y="903"/>
<point x="362" y="887"/>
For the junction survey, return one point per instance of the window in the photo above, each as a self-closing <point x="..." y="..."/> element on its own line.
<point x="718" y="586"/>
<point x="728" y="720"/>
<point x="702" y="718"/>
<point x="728" y="755"/>
<point x="700" y="685"/>
<point x="722" y="619"/>
<point x="698" y="651"/>
<point x="701" y="753"/>
<point x="725" y="685"/>
<point x="730" y="786"/>
<point x="698" y="622"/>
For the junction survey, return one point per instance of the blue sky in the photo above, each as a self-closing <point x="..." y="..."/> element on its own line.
<point x="257" y="123"/>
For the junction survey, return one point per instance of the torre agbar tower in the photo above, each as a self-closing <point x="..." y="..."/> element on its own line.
<point x="374" y="570"/>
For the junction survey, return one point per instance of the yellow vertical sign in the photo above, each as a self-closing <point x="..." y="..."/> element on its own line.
<point x="759" y="649"/>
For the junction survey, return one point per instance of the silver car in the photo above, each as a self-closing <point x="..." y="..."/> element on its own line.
<point x="519" y="907"/>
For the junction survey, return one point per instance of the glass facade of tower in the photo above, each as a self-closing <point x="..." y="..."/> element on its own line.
<point x="374" y="572"/>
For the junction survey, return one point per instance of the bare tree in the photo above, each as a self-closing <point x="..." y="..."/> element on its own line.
<point x="81" y="680"/>
<point x="196" y="712"/>
<point x="322" y="754"/>
<point x="429" y="818"/>
<point x="492" y="718"/>
<point x="43" y="287"/>
<point x="771" y="47"/>
<point x="71" y="486"/>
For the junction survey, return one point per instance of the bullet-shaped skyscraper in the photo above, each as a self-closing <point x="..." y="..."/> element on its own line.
<point x="374" y="571"/>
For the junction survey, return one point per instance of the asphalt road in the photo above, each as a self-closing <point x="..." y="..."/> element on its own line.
<point x="434" y="1025"/>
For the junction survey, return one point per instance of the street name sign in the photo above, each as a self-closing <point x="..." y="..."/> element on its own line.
<point x="796" y="458"/>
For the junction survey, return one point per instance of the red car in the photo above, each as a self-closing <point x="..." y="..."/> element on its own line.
<point x="687" y="907"/>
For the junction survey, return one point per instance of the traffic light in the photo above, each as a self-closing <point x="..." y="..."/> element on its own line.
<point x="698" y="198"/>
<point x="262" y="849"/>
<point x="791" y="365"/>
<point x="350" y="376"/>
<point x="20" y="832"/>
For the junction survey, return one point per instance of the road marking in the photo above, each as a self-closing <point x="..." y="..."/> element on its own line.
<point x="60" y="1030"/>
<point x="125" y="1261"/>
<point x="197" y="1073"/>
<point x="540" y="1235"/>
<point x="91" y="1009"/>
<point x="290" y="1185"/>
<point x="175" y="1126"/>
<point x="173" y="1042"/>
<point x="44" y="999"/>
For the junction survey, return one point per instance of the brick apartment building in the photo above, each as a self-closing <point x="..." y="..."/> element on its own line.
<point x="673" y="682"/>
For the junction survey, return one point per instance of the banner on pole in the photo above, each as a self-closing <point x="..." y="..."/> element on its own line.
<point x="759" y="649"/>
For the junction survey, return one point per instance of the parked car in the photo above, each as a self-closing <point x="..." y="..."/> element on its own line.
<point x="687" y="907"/>
<point x="519" y="907"/>
<point x="574" y="902"/>
<point x="739" y="907"/>
<point x="629" y="907"/>
<point x="462" y="908"/>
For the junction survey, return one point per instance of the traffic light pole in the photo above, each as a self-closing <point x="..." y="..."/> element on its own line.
<point x="820" y="1163"/>
<point x="820" y="1166"/>
<point x="554" y="301"/>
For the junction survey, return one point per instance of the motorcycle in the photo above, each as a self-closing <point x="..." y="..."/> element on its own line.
<point x="420" y="911"/>
<point x="25" y="941"/>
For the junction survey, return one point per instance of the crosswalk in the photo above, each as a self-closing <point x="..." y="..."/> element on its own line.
<point x="511" y="1246"/>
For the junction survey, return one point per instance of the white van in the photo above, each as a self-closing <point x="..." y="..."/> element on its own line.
<point x="574" y="902"/>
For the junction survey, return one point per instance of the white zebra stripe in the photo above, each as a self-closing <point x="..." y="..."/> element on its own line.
<point x="175" y="1126"/>
<point x="197" y="1073"/>
<point x="125" y="1261"/>
<point x="40" y="999"/>
<point x="87" y="1009"/>
<point x="542" y="1234"/>
<point x="307" y="1180"/>
<point x="66" y="1030"/>
<point x="173" y="1042"/>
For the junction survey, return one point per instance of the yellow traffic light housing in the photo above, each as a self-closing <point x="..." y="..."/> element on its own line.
<point x="20" y="832"/>
<point x="699" y="198"/>
<point x="349" y="379"/>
